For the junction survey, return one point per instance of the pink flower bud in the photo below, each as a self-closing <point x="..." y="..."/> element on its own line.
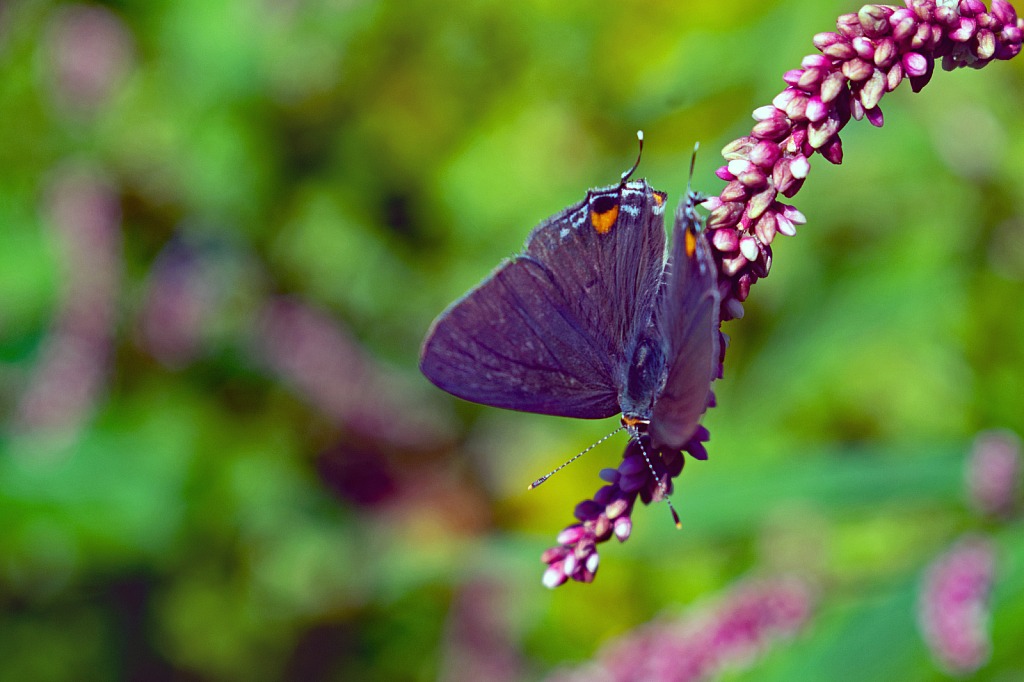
<point x="554" y="576"/>
<point x="765" y="228"/>
<point x="1004" y="12"/>
<point x="906" y="28"/>
<point x="874" y="117"/>
<point x="710" y="204"/>
<point x="832" y="86"/>
<point x="857" y="69"/>
<point x="894" y="77"/>
<point x="885" y="52"/>
<point x="864" y="47"/>
<point x="748" y="247"/>
<point x="965" y="31"/>
<point x="874" y="20"/>
<point x="571" y="535"/>
<point x="816" y="61"/>
<point x="914" y="64"/>
<point x="766" y="112"/>
<point x="731" y="266"/>
<point x="800" y="167"/>
<point x="993" y="473"/>
<point x="725" y="240"/>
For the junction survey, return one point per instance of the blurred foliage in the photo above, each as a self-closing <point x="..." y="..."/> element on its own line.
<point x="219" y="460"/>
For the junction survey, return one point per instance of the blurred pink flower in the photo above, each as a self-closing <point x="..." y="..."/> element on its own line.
<point x="732" y="632"/>
<point x="478" y="641"/>
<point x="90" y="49"/>
<point x="953" y="608"/>
<point x="85" y="213"/>
<point x="196" y="295"/>
<point x="318" y="358"/>
<point x="993" y="472"/>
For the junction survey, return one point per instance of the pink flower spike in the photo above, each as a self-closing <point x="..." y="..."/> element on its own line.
<point x="723" y="173"/>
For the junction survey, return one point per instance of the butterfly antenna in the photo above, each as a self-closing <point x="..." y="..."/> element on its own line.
<point x="693" y="162"/>
<point x="625" y="176"/>
<point x="662" y="485"/>
<point x="557" y="469"/>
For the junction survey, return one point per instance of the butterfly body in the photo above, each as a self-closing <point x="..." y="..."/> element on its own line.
<point x="592" y="320"/>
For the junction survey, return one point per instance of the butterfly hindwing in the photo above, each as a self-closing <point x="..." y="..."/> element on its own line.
<point x="545" y="332"/>
<point x="687" y="317"/>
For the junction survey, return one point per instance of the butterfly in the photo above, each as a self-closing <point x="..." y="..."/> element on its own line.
<point x="592" y="319"/>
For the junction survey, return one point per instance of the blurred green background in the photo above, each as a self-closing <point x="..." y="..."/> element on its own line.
<point x="226" y="225"/>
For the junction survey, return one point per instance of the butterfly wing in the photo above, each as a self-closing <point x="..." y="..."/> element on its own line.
<point x="687" y="317"/>
<point x="545" y="331"/>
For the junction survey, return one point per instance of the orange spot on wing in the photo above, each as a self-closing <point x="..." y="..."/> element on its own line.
<point x="691" y="243"/>
<point x="603" y="222"/>
<point x="658" y="198"/>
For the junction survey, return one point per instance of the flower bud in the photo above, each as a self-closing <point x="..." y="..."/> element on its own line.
<point x="832" y="86"/>
<point x="903" y="30"/>
<point x="765" y="227"/>
<point x="1004" y="12"/>
<point x="864" y="47"/>
<point x="965" y="30"/>
<point x="874" y="20"/>
<point x="894" y="77"/>
<point x="765" y="153"/>
<point x="816" y="61"/>
<point x="725" y="240"/>
<point x="914" y="64"/>
<point x="857" y="69"/>
<point x="849" y="26"/>
<point x="760" y="202"/>
<point x="800" y="167"/>
<point x="734" y="191"/>
<point x="885" y="53"/>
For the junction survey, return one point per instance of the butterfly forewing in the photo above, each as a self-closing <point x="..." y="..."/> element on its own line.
<point x="545" y="332"/>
